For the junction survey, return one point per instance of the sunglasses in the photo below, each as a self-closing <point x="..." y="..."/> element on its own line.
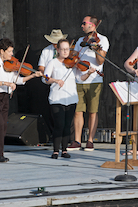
<point x="84" y="23"/>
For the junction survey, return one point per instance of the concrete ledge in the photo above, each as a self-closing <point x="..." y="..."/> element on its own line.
<point x="75" y="198"/>
<point x="91" y="197"/>
<point x="24" y="202"/>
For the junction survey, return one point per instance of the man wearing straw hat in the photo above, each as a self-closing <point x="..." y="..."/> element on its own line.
<point x="49" y="52"/>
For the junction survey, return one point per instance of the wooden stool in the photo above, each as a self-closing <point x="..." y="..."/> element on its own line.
<point x="131" y="162"/>
<point x="133" y="135"/>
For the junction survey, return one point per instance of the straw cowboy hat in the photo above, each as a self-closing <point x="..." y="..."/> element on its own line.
<point x="55" y="36"/>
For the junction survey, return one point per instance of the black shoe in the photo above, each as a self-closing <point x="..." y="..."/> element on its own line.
<point x="4" y="159"/>
<point x="65" y="155"/>
<point x="54" y="156"/>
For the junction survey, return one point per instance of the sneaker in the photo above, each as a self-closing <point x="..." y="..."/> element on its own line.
<point x="74" y="146"/>
<point x="89" y="146"/>
<point x="65" y="155"/>
<point x="54" y="156"/>
<point x="4" y="159"/>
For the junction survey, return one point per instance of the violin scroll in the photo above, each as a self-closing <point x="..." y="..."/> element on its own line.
<point x="46" y="77"/>
<point x="134" y="62"/>
<point x="99" y="73"/>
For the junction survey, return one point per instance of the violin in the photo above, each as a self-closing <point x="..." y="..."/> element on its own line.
<point x="91" y="38"/>
<point x="74" y="60"/>
<point x="84" y="65"/>
<point x="134" y="62"/>
<point x="94" y="40"/>
<point x="13" y="65"/>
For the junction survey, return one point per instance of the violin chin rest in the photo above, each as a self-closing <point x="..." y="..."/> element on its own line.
<point x="67" y="66"/>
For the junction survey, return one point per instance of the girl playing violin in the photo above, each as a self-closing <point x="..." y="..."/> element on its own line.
<point x="7" y="84"/>
<point x="63" y="96"/>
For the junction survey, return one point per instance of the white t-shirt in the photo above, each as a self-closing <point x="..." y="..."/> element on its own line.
<point x="90" y="56"/>
<point x="8" y="77"/>
<point x="67" y="94"/>
<point x="46" y="55"/>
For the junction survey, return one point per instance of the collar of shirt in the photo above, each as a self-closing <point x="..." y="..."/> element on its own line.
<point x="1" y="62"/>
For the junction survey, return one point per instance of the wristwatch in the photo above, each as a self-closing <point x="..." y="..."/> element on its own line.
<point x="2" y="83"/>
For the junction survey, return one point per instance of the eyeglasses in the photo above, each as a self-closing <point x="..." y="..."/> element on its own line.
<point x="83" y="23"/>
<point x="66" y="49"/>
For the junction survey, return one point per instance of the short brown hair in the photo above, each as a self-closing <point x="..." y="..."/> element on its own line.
<point x="5" y="43"/>
<point x="60" y="41"/>
<point x="93" y="19"/>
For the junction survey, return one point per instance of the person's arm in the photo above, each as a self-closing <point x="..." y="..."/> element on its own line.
<point x="102" y="50"/>
<point x="100" y="60"/>
<point x="45" y="57"/>
<point x="42" y="59"/>
<point x="41" y="68"/>
<point x="12" y="85"/>
<point x="130" y="68"/>
<point x="86" y="75"/>
<point x="52" y="80"/>
<point x="48" y="72"/>
<point x="33" y="75"/>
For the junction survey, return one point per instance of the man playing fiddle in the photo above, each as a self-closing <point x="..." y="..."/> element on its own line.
<point x="89" y="91"/>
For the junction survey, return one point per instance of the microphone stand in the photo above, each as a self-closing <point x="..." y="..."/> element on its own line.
<point x="125" y="177"/>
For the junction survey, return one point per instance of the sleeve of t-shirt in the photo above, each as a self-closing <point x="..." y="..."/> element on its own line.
<point x="77" y="45"/>
<point x="42" y="59"/>
<point x="104" y="43"/>
<point x="19" y="79"/>
<point x="48" y="70"/>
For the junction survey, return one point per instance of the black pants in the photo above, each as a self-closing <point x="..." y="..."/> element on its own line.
<point x="4" y="107"/>
<point x="62" y="116"/>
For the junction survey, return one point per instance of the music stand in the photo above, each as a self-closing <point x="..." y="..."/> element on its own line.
<point x="126" y="177"/>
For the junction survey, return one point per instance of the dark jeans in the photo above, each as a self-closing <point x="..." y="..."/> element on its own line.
<point x="4" y="107"/>
<point x="62" y="117"/>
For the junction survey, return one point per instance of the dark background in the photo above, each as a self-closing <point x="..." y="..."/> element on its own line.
<point x="32" y="19"/>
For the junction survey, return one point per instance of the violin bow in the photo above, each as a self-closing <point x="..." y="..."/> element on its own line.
<point x="26" y="51"/>
<point x="72" y="43"/>
<point x="99" y="22"/>
<point x="75" y="64"/>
